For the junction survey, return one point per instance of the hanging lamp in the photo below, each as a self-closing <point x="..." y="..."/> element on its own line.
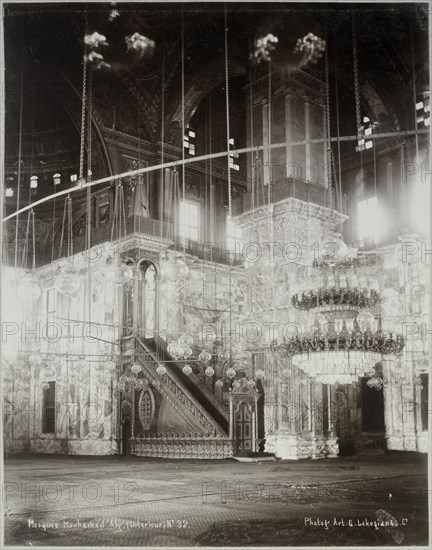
<point x="29" y="287"/>
<point x="343" y="340"/>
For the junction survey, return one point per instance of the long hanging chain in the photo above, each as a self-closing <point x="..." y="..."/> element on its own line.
<point x="25" y="248"/>
<point x="70" y="239"/>
<point x="83" y="117"/>
<point x="356" y="75"/>
<point x="183" y="105"/>
<point x="227" y="102"/>
<point x="329" y="149"/>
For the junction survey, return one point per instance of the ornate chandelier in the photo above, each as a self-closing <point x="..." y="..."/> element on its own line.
<point x="344" y="340"/>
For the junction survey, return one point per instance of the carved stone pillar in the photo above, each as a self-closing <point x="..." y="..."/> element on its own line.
<point x="231" y="415"/>
<point x="254" y="428"/>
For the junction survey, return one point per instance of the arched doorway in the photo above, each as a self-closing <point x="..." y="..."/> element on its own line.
<point x="243" y="428"/>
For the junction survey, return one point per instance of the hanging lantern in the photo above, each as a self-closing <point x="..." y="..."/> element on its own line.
<point x="259" y="374"/>
<point x="219" y="383"/>
<point x="365" y="320"/>
<point x="175" y="268"/>
<point x="67" y="281"/>
<point x="57" y="179"/>
<point x="9" y="192"/>
<point x="135" y="368"/>
<point x="209" y="371"/>
<point x="123" y="378"/>
<point x="33" y="182"/>
<point x="29" y="288"/>
<point x="223" y="355"/>
<point x="230" y="373"/>
<point x="49" y="372"/>
<point x="118" y="272"/>
<point x="35" y="360"/>
<point x="139" y="384"/>
<point x="185" y="340"/>
<point x="110" y="365"/>
<point x="187" y="352"/>
<point x="173" y="348"/>
<point x="204" y="356"/>
<point x="236" y="385"/>
<point x="161" y="370"/>
<point x="250" y="384"/>
<point x="187" y="369"/>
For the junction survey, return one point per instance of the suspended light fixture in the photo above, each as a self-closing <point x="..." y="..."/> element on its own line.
<point x="9" y="192"/>
<point x="118" y="272"/>
<point x="29" y="287"/>
<point x="57" y="179"/>
<point x="33" y="182"/>
<point x="344" y="340"/>
<point x="187" y="369"/>
<point x="175" y="268"/>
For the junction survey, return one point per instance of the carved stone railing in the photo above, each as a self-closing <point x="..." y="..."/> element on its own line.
<point x="185" y="404"/>
<point x="165" y="446"/>
<point x="210" y="395"/>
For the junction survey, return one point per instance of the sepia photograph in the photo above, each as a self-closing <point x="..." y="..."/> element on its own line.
<point x="216" y="277"/>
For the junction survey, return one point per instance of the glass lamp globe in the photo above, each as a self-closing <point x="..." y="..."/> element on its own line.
<point x="209" y="371"/>
<point x="250" y="384"/>
<point x="223" y="355"/>
<point x="118" y="272"/>
<point x="136" y="368"/>
<point x="173" y="348"/>
<point x="139" y="385"/>
<point x="187" y="369"/>
<point x="110" y="365"/>
<point x="204" y="356"/>
<point x="365" y="320"/>
<point x="35" y="359"/>
<point x="67" y="281"/>
<point x="334" y="249"/>
<point x="259" y="374"/>
<point x="230" y="373"/>
<point x="185" y="340"/>
<point x="219" y="383"/>
<point x="29" y="288"/>
<point x="187" y="352"/>
<point x="161" y="370"/>
<point x="175" y="268"/>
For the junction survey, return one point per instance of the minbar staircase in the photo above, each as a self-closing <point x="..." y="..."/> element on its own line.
<point x="205" y="418"/>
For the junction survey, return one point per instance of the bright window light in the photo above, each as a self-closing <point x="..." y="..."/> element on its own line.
<point x="234" y="236"/>
<point x="189" y="220"/>
<point x="370" y="222"/>
<point x="189" y="141"/>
